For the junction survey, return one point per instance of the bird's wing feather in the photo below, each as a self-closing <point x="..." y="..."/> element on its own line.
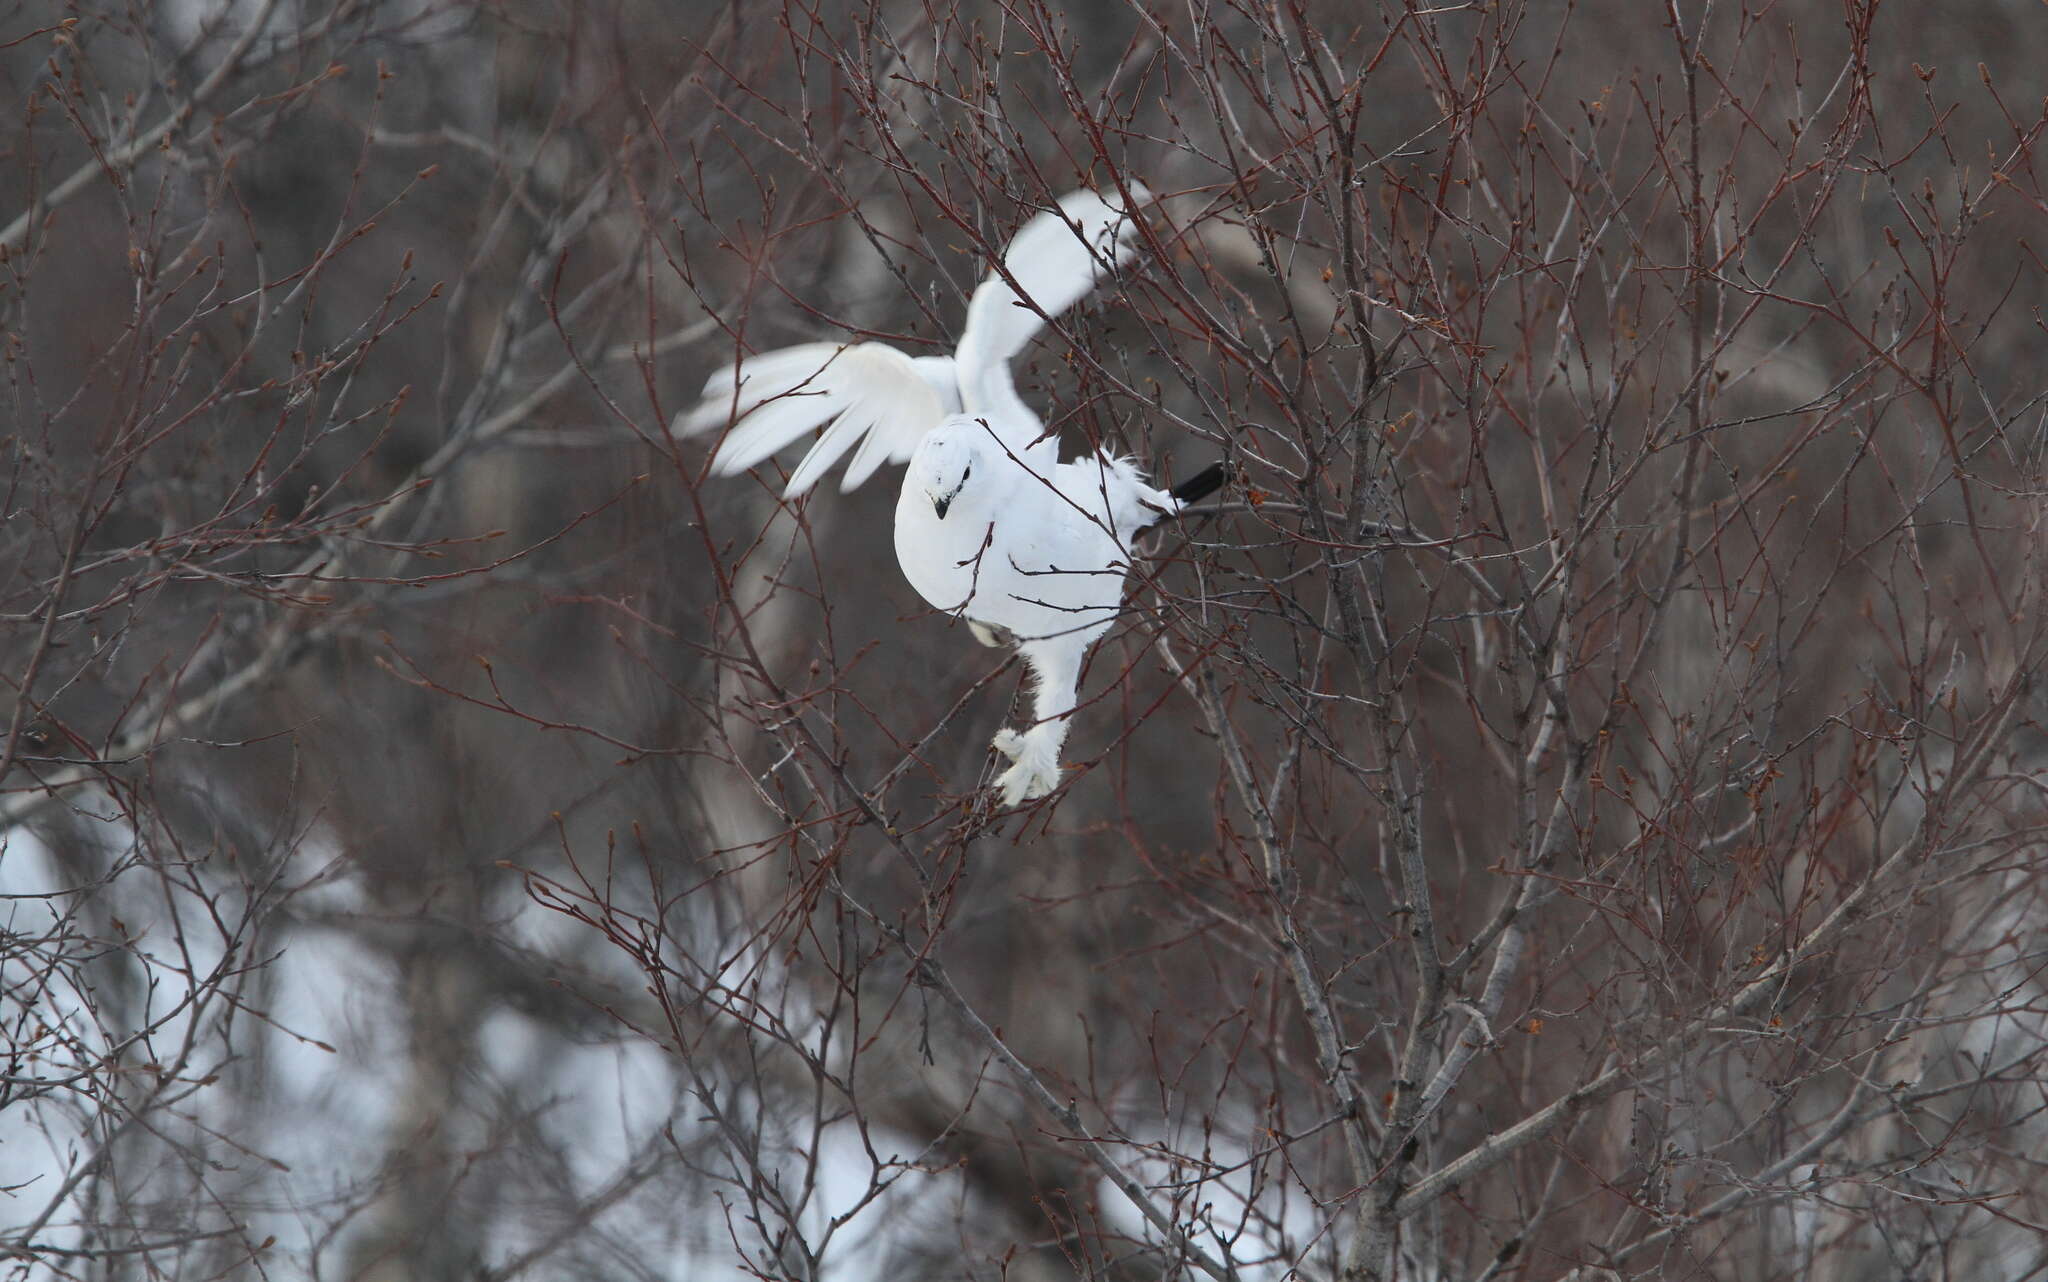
<point x="896" y="446"/>
<point x="869" y="394"/>
<point x="768" y="375"/>
<point x="1055" y="260"/>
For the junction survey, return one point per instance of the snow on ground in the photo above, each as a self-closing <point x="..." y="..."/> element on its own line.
<point x="300" y="1124"/>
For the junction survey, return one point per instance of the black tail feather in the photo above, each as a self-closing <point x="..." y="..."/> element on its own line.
<point x="1201" y="485"/>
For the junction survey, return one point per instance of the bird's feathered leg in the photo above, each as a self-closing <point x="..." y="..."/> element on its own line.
<point x="1035" y="754"/>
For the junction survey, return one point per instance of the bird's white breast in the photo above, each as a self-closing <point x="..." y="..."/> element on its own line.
<point x="1018" y="556"/>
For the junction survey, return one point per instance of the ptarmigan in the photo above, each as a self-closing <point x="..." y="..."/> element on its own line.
<point x="990" y="525"/>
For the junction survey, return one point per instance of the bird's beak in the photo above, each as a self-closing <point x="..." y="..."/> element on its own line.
<point x="940" y="506"/>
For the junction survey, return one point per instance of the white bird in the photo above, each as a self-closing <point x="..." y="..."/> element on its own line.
<point x="990" y="525"/>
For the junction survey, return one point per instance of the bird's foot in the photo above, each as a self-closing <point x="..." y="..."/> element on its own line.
<point x="992" y="637"/>
<point x="1034" y="770"/>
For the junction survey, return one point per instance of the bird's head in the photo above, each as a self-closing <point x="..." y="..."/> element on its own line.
<point x="944" y="463"/>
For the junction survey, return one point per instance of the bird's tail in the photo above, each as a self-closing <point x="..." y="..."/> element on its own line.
<point x="1201" y="485"/>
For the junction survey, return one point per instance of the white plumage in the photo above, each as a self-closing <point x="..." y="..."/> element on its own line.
<point x="990" y="525"/>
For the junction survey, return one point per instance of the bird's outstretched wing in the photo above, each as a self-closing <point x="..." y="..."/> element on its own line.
<point x="870" y="393"/>
<point x="1055" y="260"/>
